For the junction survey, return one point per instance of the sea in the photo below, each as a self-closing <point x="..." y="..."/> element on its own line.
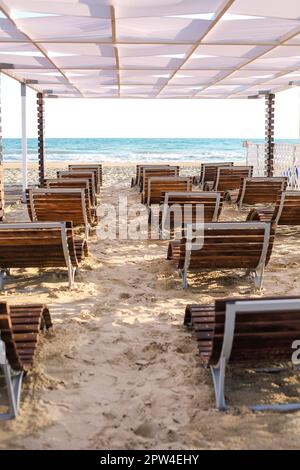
<point x="128" y="150"/>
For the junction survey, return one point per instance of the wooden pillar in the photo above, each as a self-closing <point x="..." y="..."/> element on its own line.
<point x="41" y="137"/>
<point x="1" y="166"/>
<point x="269" y="134"/>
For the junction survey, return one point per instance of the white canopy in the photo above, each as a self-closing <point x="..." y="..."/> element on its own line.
<point x="151" y="48"/>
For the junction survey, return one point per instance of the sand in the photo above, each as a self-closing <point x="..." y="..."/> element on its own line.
<point x="120" y="371"/>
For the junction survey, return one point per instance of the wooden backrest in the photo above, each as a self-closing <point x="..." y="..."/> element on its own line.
<point x="261" y="190"/>
<point x="89" y="175"/>
<point x="287" y="209"/>
<point x="160" y="184"/>
<point x="229" y="178"/>
<point x="139" y="172"/>
<point x="157" y="171"/>
<point x="7" y="336"/>
<point x="264" y="329"/>
<point x="96" y="168"/>
<point x="228" y="245"/>
<point x="209" y="171"/>
<point x="1" y="193"/>
<point x="37" y="245"/>
<point x="59" y="205"/>
<point x="211" y="201"/>
<point x="19" y="329"/>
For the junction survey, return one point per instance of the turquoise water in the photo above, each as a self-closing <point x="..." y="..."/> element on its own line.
<point x="130" y="150"/>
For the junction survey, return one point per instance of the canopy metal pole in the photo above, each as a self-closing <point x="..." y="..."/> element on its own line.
<point x="24" y="142"/>
<point x="269" y="139"/>
<point x="41" y="138"/>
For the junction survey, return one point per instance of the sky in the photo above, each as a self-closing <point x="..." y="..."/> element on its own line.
<point x="150" y="118"/>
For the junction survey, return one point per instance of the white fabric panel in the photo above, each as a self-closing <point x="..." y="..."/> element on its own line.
<point x="95" y="8"/>
<point x="90" y="77"/>
<point x="152" y="57"/>
<point x="144" y="77"/>
<point x="22" y="55"/>
<point x="222" y="56"/>
<point x="81" y="55"/>
<point x="196" y="77"/>
<point x="261" y="29"/>
<point x="161" y="29"/>
<point x="9" y="32"/>
<point x="45" y="77"/>
<point x="160" y="8"/>
<point x="60" y="28"/>
<point x="273" y="8"/>
<point x="180" y="90"/>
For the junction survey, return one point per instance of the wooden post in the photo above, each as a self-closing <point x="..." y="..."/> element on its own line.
<point x="1" y="166"/>
<point x="41" y="137"/>
<point x="269" y="139"/>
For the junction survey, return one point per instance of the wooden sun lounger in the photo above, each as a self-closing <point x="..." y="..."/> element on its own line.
<point x="187" y="203"/>
<point x="286" y="211"/>
<point x="61" y="205"/>
<point x="242" y="332"/>
<point x="19" y="329"/>
<point x="89" y="175"/>
<point x="226" y="245"/>
<point x="155" y="171"/>
<point x="40" y="245"/>
<point x="159" y="185"/>
<point x="259" y="190"/>
<point x="229" y="178"/>
<point x="208" y="172"/>
<point x="96" y="168"/>
<point x="135" y="181"/>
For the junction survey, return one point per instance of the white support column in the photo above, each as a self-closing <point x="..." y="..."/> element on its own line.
<point x="24" y="142"/>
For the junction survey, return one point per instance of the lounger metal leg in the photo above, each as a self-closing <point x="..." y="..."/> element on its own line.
<point x="258" y="279"/>
<point x="183" y="274"/>
<point x="71" y="276"/>
<point x="1" y="279"/>
<point x="280" y="407"/>
<point x="13" y="383"/>
<point x="218" y="375"/>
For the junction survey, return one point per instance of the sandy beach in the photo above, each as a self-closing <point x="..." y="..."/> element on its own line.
<point x="119" y="370"/>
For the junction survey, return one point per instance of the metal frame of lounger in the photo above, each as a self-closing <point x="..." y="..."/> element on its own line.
<point x="251" y="179"/>
<point x="225" y="164"/>
<point x="283" y="196"/>
<point x="172" y="178"/>
<point x="257" y="273"/>
<point x="13" y="380"/>
<point x="31" y="193"/>
<point x="218" y="371"/>
<point x="189" y="194"/>
<point x="233" y="168"/>
<point x="45" y="225"/>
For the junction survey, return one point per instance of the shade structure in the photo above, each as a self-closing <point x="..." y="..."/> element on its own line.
<point x="151" y="48"/>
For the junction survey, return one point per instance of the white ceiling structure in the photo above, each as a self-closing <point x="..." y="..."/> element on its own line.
<point x="151" y="48"/>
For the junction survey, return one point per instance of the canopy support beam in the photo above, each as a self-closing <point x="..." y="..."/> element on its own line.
<point x="269" y="134"/>
<point x="24" y="142"/>
<point x="1" y="166"/>
<point x="41" y="137"/>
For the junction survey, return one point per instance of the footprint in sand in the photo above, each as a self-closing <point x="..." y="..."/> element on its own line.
<point x="145" y="430"/>
<point x="125" y="295"/>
